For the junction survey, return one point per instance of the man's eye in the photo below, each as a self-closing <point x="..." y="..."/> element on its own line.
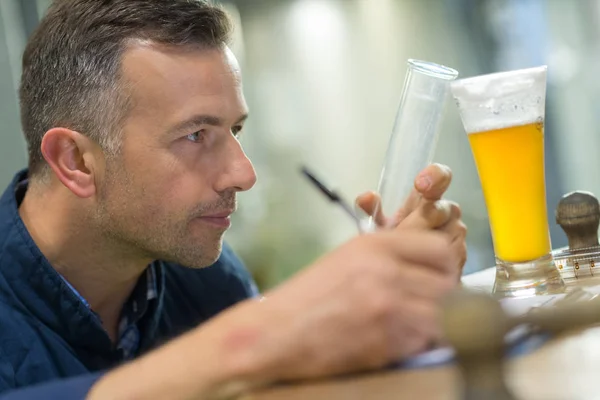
<point x="196" y="137"/>
<point x="236" y="130"/>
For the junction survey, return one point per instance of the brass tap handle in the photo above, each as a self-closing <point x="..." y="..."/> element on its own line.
<point x="578" y="214"/>
<point x="475" y="325"/>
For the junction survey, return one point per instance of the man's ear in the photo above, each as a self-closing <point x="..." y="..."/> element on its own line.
<point x="71" y="156"/>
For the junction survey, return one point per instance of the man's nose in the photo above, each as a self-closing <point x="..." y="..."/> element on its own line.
<point x="239" y="173"/>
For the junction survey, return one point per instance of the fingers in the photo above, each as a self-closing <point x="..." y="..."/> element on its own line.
<point x="409" y="206"/>
<point x="431" y="215"/>
<point x="433" y="181"/>
<point x="426" y="248"/>
<point x="430" y="184"/>
<point x="457" y="231"/>
<point x="370" y="203"/>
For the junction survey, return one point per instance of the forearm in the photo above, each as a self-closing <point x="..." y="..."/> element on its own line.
<point x="228" y="355"/>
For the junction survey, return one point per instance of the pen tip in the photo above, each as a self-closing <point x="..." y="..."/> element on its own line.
<point x="327" y="192"/>
<point x="305" y="170"/>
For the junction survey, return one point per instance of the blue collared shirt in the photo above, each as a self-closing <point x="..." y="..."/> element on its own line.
<point x="134" y="309"/>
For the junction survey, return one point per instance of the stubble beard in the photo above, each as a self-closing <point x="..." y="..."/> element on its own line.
<point x="127" y="222"/>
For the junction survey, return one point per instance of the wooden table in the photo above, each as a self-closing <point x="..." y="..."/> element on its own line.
<point x="565" y="368"/>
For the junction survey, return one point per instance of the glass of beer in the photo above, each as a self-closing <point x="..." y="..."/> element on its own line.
<point x="503" y="115"/>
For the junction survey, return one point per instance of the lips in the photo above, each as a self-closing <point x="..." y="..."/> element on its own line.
<point x="221" y="214"/>
<point x="219" y="219"/>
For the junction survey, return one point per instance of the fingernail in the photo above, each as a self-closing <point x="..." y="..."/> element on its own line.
<point x="423" y="182"/>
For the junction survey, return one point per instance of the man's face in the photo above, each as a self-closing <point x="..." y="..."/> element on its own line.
<point x="170" y="191"/>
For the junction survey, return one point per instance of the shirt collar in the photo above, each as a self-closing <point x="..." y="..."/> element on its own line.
<point x="151" y="285"/>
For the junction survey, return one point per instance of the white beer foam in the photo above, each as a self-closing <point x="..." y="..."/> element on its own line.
<point x="502" y="99"/>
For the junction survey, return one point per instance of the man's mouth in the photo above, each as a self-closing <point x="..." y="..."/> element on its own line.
<point x="221" y="219"/>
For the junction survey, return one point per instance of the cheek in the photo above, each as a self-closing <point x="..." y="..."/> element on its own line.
<point x="175" y="193"/>
<point x="189" y="173"/>
<point x="133" y="191"/>
<point x="172" y="178"/>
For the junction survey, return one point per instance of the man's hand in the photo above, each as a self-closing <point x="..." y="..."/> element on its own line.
<point x="374" y="300"/>
<point x="424" y="208"/>
<point x="430" y="185"/>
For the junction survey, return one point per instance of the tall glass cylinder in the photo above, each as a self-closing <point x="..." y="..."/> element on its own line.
<point x="415" y="131"/>
<point x="503" y="115"/>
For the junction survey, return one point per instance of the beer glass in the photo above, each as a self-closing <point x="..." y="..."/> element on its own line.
<point x="503" y="115"/>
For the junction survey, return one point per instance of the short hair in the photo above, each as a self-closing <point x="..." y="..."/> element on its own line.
<point x="72" y="62"/>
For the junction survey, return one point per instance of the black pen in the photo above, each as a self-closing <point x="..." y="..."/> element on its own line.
<point x="333" y="196"/>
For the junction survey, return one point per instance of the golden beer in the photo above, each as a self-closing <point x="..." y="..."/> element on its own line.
<point x="503" y="115"/>
<point x="510" y="163"/>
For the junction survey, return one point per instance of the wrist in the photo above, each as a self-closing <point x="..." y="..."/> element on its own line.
<point x="244" y="350"/>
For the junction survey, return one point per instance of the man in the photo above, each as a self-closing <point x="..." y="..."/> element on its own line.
<point x="113" y="279"/>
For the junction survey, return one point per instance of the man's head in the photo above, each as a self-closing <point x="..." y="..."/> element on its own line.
<point x="134" y="107"/>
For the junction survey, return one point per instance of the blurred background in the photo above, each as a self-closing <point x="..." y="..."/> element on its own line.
<point x="323" y="80"/>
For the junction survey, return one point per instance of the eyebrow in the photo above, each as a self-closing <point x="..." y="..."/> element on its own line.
<point x="198" y="120"/>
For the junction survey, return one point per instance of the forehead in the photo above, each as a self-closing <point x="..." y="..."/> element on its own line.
<point x="182" y="79"/>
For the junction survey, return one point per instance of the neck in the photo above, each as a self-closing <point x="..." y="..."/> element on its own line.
<point x="102" y="272"/>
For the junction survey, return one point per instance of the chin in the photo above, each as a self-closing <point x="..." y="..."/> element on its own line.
<point x="207" y="258"/>
<point x="195" y="249"/>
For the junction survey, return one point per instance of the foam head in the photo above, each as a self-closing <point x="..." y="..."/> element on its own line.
<point x="501" y="100"/>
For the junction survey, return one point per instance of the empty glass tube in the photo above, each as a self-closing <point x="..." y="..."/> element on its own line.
<point x="414" y="136"/>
